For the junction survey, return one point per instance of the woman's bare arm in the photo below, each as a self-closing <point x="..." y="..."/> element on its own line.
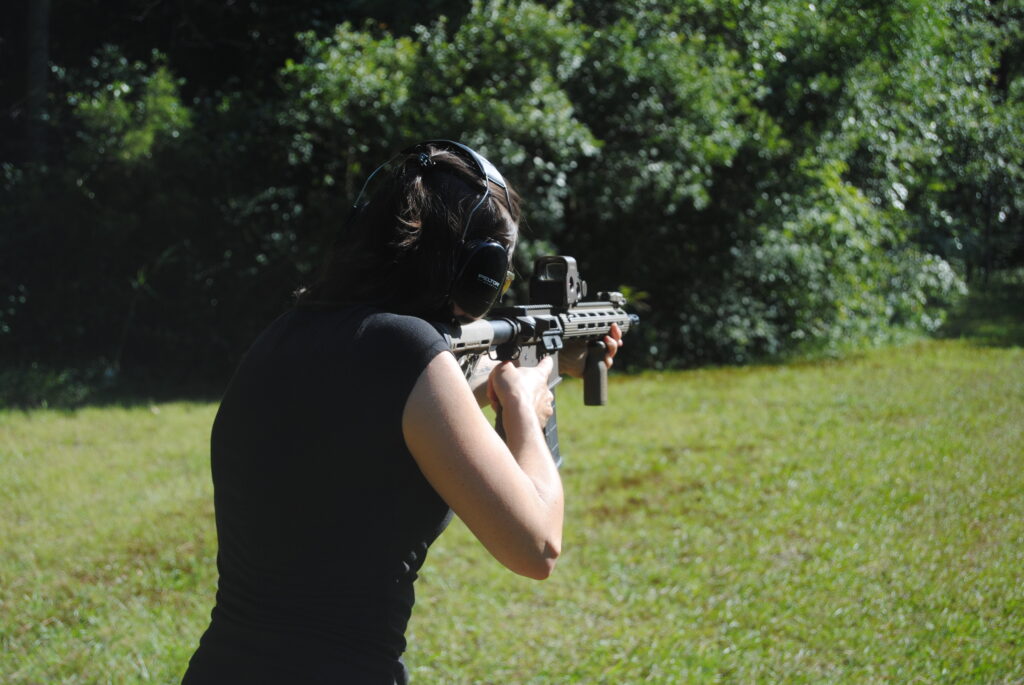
<point x="510" y="496"/>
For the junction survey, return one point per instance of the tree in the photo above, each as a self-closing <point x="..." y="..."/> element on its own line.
<point x="766" y="177"/>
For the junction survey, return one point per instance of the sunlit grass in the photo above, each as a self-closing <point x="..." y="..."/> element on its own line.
<point x="843" y="521"/>
<point x="107" y="549"/>
<point x="850" y="521"/>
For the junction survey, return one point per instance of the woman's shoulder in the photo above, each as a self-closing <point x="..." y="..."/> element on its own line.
<point x="399" y="330"/>
<point x="363" y="330"/>
<point x="399" y="345"/>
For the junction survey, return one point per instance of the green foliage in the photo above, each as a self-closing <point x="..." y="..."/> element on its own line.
<point x="777" y="177"/>
<point x="37" y="386"/>
<point x="503" y="70"/>
<point x="833" y="272"/>
<point x="350" y="93"/>
<point x="991" y="314"/>
<point x="128" y="108"/>
<point x="345" y="116"/>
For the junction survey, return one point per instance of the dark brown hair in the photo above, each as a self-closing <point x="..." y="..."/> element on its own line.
<point x="399" y="250"/>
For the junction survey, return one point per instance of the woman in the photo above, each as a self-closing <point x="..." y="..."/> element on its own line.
<point x="348" y="435"/>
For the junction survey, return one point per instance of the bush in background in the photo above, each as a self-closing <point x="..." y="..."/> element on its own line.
<point x="764" y="178"/>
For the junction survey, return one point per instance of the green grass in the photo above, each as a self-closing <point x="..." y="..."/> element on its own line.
<point x="107" y="545"/>
<point x="852" y="521"/>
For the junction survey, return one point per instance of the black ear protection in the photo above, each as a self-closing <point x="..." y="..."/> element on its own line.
<point x="481" y="273"/>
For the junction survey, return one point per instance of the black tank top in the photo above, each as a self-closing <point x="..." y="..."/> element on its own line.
<point x="323" y="517"/>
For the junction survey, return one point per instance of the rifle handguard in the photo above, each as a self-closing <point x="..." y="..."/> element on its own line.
<point x="528" y="333"/>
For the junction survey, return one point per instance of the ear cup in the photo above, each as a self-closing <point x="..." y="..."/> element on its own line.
<point x="479" y="276"/>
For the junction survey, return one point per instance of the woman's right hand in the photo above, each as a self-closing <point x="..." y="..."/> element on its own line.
<point x="516" y="388"/>
<point x="508" y="492"/>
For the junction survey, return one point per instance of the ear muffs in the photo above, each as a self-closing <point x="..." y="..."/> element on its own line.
<point x="481" y="267"/>
<point x="481" y="277"/>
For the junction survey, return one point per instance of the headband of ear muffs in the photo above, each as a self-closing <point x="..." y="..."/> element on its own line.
<point x="481" y="274"/>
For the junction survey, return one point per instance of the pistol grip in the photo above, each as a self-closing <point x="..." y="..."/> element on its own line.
<point x="595" y="376"/>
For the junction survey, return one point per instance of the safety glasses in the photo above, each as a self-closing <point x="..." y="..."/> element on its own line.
<point x="509" y="277"/>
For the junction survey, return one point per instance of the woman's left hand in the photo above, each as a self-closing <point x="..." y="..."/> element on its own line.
<point x="572" y="359"/>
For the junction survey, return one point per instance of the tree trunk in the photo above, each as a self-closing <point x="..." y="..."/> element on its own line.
<point x="38" y="77"/>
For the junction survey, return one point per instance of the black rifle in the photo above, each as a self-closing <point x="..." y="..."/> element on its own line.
<point x="528" y="333"/>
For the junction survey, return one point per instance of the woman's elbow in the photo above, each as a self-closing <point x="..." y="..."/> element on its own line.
<point x="541" y="566"/>
<point x="542" y="570"/>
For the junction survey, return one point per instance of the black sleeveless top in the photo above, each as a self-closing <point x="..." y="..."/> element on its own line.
<point x="323" y="517"/>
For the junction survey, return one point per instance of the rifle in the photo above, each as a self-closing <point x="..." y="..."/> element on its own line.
<point x="528" y="333"/>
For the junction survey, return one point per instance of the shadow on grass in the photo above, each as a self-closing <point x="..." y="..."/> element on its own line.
<point x="992" y="315"/>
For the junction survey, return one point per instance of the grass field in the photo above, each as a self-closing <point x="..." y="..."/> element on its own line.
<point x="853" y="521"/>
